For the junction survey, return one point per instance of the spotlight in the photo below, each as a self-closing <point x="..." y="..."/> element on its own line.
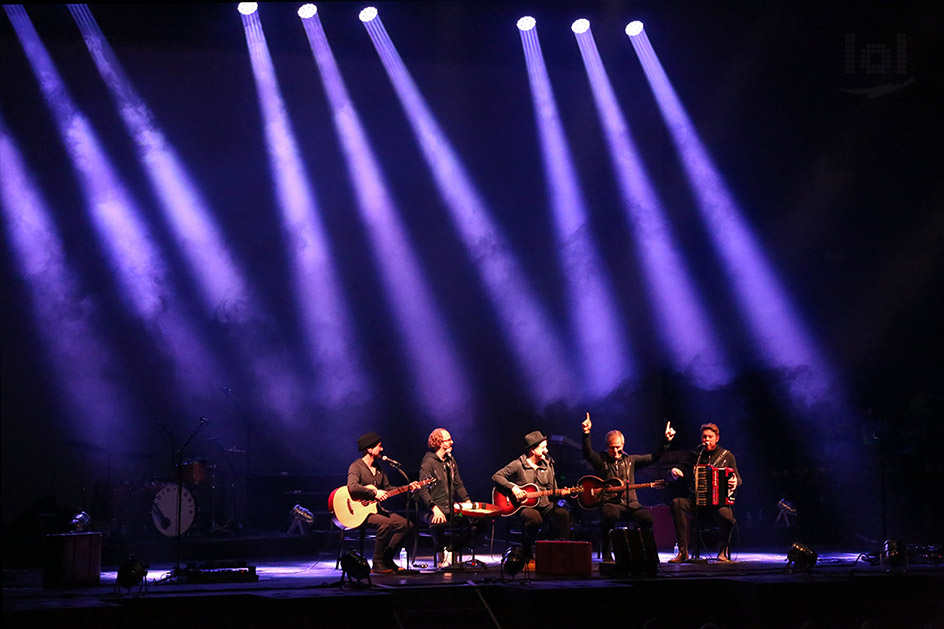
<point x="513" y="560"/>
<point x="307" y="11"/>
<point x="894" y="555"/>
<point x="367" y="14"/>
<point x="787" y="514"/>
<point x="634" y="28"/>
<point x="80" y="521"/>
<point x="580" y="26"/>
<point x="130" y="573"/>
<point x="355" y="566"/>
<point x="801" y="556"/>
<point x="526" y="23"/>
<point x="301" y="521"/>
<point x="303" y="514"/>
<point x="247" y="8"/>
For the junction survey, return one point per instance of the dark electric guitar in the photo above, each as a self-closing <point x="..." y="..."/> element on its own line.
<point x="509" y="505"/>
<point x="593" y="491"/>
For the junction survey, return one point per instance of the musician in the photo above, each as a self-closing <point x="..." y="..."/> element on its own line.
<point x="708" y="453"/>
<point x="536" y="467"/>
<point x="615" y="463"/>
<point x="366" y="480"/>
<point x="440" y="464"/>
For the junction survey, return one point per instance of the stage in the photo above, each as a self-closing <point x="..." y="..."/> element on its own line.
<point x="758" y="589"/>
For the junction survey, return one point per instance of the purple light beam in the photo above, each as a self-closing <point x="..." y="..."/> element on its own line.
<point x="439" y="379"/>
<point x="66" y="320"/>
<point x="331" y="342"/>
<point x="131" y="252"/>
<point x="222" y="284"/>
<point x="776" y="327"/>
<point x="602" y="346"/>
<point x="681" y="320"/>
<point x="534" y="343"/>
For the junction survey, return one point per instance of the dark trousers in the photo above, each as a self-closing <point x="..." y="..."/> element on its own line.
<point x="681" y="507"/>
<point x="558" y="518"/>
<point x="465" y="529"/>
<point x="613" y="512"/>
<point x="392" y="529"/>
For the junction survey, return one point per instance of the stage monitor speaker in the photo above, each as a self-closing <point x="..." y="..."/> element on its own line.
<point x="635" y="552"/>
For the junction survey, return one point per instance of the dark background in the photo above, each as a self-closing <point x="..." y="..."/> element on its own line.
<point x="839" y="177"/>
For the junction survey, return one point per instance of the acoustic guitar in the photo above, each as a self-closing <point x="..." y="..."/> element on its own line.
<point x="593" y="492"/>
<point x="509" y="505"/>
<point x="350" y="513"/>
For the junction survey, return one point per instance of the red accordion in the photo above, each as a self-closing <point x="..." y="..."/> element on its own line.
<point x="711" y="486"/>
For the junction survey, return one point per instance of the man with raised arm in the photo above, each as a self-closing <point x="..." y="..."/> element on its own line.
<point x="615" y="463"/>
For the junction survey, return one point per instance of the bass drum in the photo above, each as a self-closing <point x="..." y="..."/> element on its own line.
<point x="164" y="510"/>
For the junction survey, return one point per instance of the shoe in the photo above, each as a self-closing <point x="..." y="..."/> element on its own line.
<point x="380" y="568"/>
<point x="388" y="562"/>
<point x="681" y="557"/>
<point x="723" y="557"/>
<point x="607" y="557"/>
<point x="446" y="559"/>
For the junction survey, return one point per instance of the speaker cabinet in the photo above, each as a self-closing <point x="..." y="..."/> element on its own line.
<point x="635" y="552"/>
<point x="73" y="559"/>
<point x="563" y="559"/>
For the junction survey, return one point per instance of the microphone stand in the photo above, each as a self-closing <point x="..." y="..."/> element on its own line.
<point x="250" y="431"/>
<point x="695" y="509"/>
<point x="450" y="492"/>
<point x="458" y="564"/>
<point x="406" y="509"/>
<point x="180" y="488"/>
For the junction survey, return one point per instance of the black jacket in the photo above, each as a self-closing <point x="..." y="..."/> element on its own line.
<point x="624" y="468"/>
<point x="438" y="493"/>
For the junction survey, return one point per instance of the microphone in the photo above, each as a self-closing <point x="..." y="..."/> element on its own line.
<point x="700" y="450"/>
<point x="387" y="459"/>
<point x="204" y="420"/>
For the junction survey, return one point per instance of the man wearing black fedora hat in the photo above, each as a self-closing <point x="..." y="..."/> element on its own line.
<point x="366" y="480"/>
<point x="535" y="467"/>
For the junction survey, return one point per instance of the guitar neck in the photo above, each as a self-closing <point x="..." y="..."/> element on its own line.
<point x="616" y="490"/>
<point x="546" y="492"/>
<point x="395" y="492"/>
<point x="400" y="490"/>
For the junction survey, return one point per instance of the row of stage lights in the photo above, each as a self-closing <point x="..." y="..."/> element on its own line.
<point x="307" y="11"/>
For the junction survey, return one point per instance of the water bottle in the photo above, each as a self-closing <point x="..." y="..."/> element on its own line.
<point x="403" y="559"/>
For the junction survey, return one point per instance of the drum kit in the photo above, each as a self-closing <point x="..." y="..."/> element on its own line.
<point x="174" y="512"/>
<point x="192" y="497"/>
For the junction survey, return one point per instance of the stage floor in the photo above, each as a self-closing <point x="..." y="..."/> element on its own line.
<point x="757" y="590"/>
